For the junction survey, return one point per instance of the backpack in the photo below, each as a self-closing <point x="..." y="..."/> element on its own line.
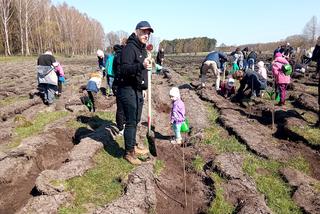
<point x="287" y="69"/>
<point x="116" y="66"/>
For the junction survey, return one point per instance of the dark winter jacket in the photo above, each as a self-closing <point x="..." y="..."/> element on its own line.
<point x="132" y="70"/>
<point x="252" y="55"/>
<point x="316" y="54"/>
<point x="160" y="56"/>
<point x="216" y="56"/>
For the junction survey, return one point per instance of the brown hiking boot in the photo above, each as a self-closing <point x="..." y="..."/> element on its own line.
<point x="131" y="158"/>
<point x="141" y="150"/>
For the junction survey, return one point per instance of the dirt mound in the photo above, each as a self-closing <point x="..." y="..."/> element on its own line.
<point x="20" y="167"/>
<point x="307" y="194"/>
<point x="140" y="194"/>
<point x="240" y="189"/>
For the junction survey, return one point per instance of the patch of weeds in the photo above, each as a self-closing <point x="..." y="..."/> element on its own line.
<point x="13" y="99"/>
<point x="317" y="186"/>
<point x="99" y="185"/>
<point x="29" y="128"/>
<point x="299" y="163"/>
<point x="219" y="204"/>
<point x="57" y="183"/>
<point x="312" y="89"/>
<point x="158" y="167"/>
<point x="312" y="135"/>
<point x="198" y="163"/>
<point x="213" y="136"/>
<point x="270" y="183"/>
<point x="75" y="124"/>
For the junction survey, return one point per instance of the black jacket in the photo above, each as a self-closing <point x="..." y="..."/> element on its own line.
<point x="132" y="70"/>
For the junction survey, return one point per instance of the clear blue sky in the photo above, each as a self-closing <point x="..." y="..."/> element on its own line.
<point x="228" y="21"/>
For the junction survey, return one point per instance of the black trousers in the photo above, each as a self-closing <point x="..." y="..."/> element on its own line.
<point x="132" y="103"/>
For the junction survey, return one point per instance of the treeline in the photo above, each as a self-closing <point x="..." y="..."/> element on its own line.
<point x="200" y="44"/>
<point x="31" y="26"/>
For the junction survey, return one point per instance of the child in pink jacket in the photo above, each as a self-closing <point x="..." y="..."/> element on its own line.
<point x="59" y="71"/>
<point x="281" y="79"/>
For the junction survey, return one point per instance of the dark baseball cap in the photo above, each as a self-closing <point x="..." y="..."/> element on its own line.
<point x="144" y="25"/>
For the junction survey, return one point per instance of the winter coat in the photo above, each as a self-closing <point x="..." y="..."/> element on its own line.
<point x="178" y="111"/>
<point x="278" y="74"/>
<point x="216" y="56"/>
<point x="316" y="54"/>
<point x="46" y="75"/>
<point x="132" y="70"/>
<point x="109" y="64"/>
<point x="59" y="71"/>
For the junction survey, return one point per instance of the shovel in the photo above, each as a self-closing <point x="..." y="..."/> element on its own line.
<point x="150" y="134"/>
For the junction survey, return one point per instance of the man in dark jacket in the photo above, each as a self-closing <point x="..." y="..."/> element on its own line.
<point x="160" y="56"/>
<point x="47" y="78"/>
<point x="316" y="57"/>
<point x="133" y="80"/>
<point x="213" y="61"/>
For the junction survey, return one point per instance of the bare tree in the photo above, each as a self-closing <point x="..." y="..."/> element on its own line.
<point x="5" y="14"/>
<point x="310" y="30"/>
<point x="112" y="39"/>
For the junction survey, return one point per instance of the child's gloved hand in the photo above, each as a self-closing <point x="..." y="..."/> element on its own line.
<point x="61" y="79"/>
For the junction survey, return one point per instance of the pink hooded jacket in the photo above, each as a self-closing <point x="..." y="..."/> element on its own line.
<point x="278" y="74"/>
<point x="58" y="68"/>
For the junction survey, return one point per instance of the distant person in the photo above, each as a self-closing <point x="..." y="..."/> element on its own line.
<point x="213" y="61"/>
<point x="47" y="77"/>
<point x="228" y="87"/>
<point x="134" y="80"/>
<point x="262" y="70"/>
<point x="249" y="80"/>
<point x="245" y="53"/>
<point x="110" y="72"/>
<point x="316" y="57"/>
<point x="93" y="87"/>
<point x="252" y="59"/>
<point x="102" y="58"/>
<point x="61" y="78"/>
<point x="160" y="56"/>
<point x="120" y="118"/>
<point x="177" y="115"/>
<point x="281" y="79"/>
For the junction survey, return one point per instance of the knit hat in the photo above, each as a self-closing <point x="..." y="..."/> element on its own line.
<point x="100" y="53"/>
<point x="174" y="92"/>
<point x="230" y="82"/>
<point x="260" y="64"/>
<point x="278" y="54"/>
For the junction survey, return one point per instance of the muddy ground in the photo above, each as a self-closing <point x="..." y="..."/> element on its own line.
<point x="27" y="168"/>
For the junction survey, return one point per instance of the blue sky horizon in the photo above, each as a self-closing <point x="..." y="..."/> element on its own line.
<point x="229" y="22"/>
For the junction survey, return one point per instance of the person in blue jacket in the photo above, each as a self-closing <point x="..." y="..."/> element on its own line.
<point x="213" y="61"/>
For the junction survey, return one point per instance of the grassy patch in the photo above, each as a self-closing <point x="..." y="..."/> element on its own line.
<point x="198" y="163"/>
<point x="299" y="163"/>
<point x="269" y="182"/>
<point x="219" y="204"/>
<point x="158" y="167"/>
<point x="16" y="58"/>
<point x="13" y="99"/>
<point x="92" y="120"/>
<point x="312" y="135"/>
<point x="213" y="136"/>
<point x="99" y="185"/>
<point x="29" y="128"/>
